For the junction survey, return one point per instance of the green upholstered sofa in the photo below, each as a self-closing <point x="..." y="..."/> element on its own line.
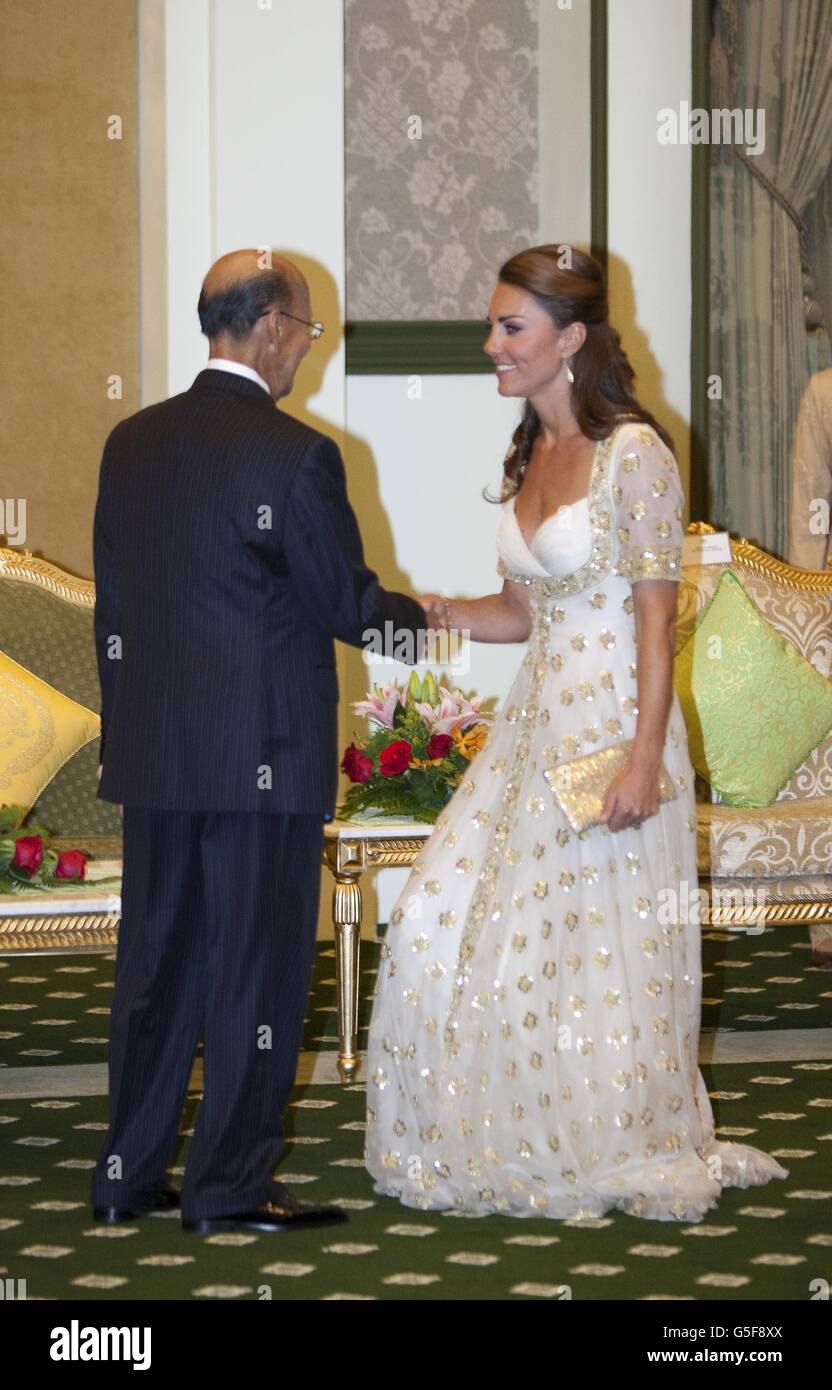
<point x="46" y="624"/>
<point x="779" y="854"/>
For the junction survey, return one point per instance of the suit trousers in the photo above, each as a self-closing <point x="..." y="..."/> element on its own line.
<point x="217" y="941"/>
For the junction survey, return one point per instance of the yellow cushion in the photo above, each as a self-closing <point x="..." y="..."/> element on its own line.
<point x="754" y="707"/>
<point x="40" y="730"/>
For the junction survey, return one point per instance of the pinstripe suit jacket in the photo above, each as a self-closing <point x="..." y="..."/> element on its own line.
<point x="227" y="558"/>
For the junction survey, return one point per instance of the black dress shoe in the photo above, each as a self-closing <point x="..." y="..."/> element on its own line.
<point x="167" y="1199"/>
<point x="279" y="1212"/>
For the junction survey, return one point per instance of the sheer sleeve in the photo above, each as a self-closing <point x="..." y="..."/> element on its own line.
<point x="648" y="503"/>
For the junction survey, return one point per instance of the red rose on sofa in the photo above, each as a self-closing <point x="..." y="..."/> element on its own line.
<point x="28" y="852"/>
<point x="395" y="758"/>
<point x="71" y="864"/>
<point x="439" y="745"/>
<point x="357" y="766"/>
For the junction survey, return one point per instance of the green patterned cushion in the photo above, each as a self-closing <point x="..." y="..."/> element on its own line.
<point x="54" y="639"/>
<point x="754" y="707"/>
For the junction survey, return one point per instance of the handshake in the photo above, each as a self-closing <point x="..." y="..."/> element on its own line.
<point x="443" y="637"/>
<point x="437" y="611"/>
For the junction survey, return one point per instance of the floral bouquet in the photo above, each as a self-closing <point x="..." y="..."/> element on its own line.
<point x="26" y="861"/>
<point x="421" y="741"/>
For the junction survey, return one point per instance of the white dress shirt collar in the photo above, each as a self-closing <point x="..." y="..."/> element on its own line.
<point x="227" y="364"/>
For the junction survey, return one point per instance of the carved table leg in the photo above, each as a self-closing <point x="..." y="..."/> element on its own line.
<point x="347" y="856"/>
<point x="346" y="918"/>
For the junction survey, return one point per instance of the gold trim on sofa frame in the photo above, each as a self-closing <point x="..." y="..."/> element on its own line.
<point x="750" y="557"/>
<point x="30" y="569"/>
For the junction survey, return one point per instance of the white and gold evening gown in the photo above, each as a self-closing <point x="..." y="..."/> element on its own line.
<point x="533" y="1048"/>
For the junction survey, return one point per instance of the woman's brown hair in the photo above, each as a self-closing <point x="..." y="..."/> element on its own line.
<point x="602" y="392"/>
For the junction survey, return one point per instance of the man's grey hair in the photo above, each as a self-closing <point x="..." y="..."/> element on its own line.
<point x="235" y="310"/>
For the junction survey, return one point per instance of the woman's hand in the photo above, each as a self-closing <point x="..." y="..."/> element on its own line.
<point x="632" y="796"/>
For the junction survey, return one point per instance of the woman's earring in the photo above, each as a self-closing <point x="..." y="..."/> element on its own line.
<point x="570" y="375"/>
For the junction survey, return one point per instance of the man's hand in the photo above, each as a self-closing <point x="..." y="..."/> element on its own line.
<point x="632" y="796"/>
<point x="121" y="811"/>
<point x="434" y="606"/>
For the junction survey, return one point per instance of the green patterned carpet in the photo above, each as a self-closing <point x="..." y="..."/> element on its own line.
<point x="55" y="1009"/>
<point x="762" y="1243"/>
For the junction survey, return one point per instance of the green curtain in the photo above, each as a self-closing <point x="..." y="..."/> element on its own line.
<point x="819" y="249"/>
<point x="775" y="57"/>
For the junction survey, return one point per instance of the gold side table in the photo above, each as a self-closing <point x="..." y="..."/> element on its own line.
<point x="350" y="847"/>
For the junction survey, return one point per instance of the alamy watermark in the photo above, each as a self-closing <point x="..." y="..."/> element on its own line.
<point x="745" y="907"/>
<point x="695" y="125"/>
<point x="13" y="520"/>
<point x="449" y="648"/>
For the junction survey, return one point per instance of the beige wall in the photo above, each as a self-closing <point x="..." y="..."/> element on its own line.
<point x="649" y="208"/>
<point x="70" y="258"/>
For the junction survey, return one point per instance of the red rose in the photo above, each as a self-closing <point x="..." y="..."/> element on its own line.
<point x="28" y="852"/>
<point x="439" y="745"/>
<point x="71" y="864"/>
<point x="395" y="758"/>
<point x="358" y="767"/>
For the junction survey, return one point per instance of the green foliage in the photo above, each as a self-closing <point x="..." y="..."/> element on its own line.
<point x="12" y="827"/>
<point x="419" y="792"/>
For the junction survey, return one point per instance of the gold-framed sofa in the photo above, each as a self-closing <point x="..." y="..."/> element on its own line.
<point x="46" y="624"/>
<point x="780" y="856"/>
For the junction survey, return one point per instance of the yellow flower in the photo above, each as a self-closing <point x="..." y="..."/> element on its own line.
<point x="470" y="741"/>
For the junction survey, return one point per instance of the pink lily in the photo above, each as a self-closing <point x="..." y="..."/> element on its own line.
<point x="381" y="705"/>
<point x="454" y="711"/>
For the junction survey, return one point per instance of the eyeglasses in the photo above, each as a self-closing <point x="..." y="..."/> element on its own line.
<point x="316" y="329"/>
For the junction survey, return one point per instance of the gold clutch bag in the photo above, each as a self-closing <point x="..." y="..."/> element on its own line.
<point x="580" y="785"/>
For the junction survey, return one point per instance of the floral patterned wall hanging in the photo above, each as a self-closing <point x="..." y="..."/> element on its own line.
<point x="441" y="152"/>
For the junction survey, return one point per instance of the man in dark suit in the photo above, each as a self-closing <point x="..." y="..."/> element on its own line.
<point x="227" y="558"/>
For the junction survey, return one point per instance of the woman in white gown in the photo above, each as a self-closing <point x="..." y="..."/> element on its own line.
<point x="533" y="1048"/>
